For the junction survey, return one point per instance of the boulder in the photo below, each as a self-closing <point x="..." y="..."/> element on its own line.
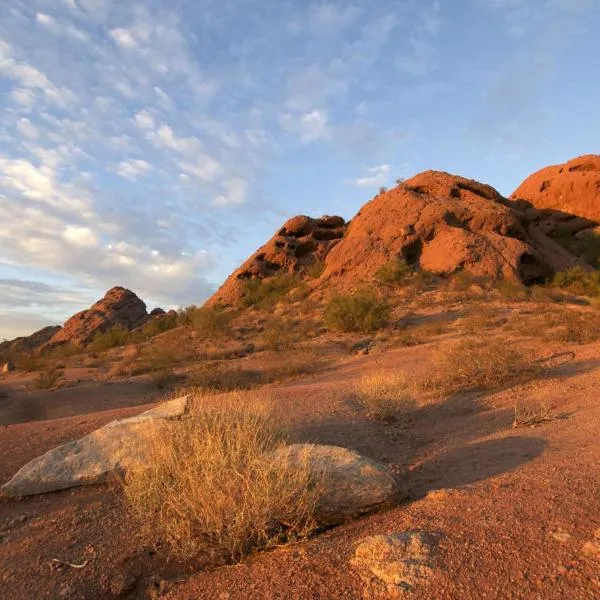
<point x="95" y="458"/>
<point x="157" y="312"/>
<point x="572" y="187"/>
<point x="119" y="306"/>
<point x="299" y="244"/>
<point x="393" y="564"/>
<point x="8" y="367"/>
<point x="443" y="224"/>
<point x="352" y="485"/>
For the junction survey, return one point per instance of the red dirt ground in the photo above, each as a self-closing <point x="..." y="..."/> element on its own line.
<point x="497" y="499"/>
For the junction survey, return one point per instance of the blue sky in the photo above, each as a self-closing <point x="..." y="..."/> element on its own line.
<point x="156" y="144"/>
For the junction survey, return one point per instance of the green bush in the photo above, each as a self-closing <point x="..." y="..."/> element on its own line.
<point x="211" y="321"/>
<point x="158" y="325"/>
<point x="49" y="379"/>
<point x="265" y="293"/>
<point x="118" y="335"/>
<point x="363" y="311"/>
<point x="394" y="272"/>
<point x="578" y="280"/>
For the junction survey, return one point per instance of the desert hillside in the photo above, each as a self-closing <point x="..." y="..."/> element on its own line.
<point x="399" y="406"/>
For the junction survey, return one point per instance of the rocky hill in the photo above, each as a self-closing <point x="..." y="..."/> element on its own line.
<point x="302" y="242"/>
<point x="119" y="306"/>
<point x="435" y="221"/>
<point x="30" y="342"/>
<point x="573" y="187"/>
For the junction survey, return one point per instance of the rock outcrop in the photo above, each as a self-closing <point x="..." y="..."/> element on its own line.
<point x="30" y="342"/>
<point x="352" y="485"/>
<point x="443" y="224"/>
<point x="95" y="458"/>
<point x="118" y="307"/>
<point x="299" y="244"/>
<point x="573" y="187"/>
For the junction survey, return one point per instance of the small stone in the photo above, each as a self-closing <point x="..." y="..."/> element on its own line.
<point x="392" y="564"/>
<point x="561" y="536"/>
<point x="597" y="534"/>
<point x="592" y="547"/>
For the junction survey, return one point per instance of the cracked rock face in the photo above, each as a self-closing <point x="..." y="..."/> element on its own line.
<point x="443" y="224"/>
<point x="391" y="565"/>
<point x="301" y="243"/>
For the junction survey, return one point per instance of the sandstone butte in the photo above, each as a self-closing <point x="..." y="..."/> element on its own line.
<point x="435" y="221"/>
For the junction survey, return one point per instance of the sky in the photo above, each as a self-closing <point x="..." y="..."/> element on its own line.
<point x="155" y="144"/>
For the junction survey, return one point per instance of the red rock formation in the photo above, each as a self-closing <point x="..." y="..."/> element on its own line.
<point x="573" y="187"/>
<point x="443" y="224"/>
<point x="118" y="307"/>
<point x="300" y="243"/>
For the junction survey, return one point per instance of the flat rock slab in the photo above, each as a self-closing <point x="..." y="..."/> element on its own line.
<point x="352" y="485"/>
<point x="95" y="458"/>
<point x="391" y="565"/>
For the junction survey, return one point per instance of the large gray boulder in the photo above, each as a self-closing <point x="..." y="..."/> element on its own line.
<point x="95" y="458"/>
<point x="351" y="485"/>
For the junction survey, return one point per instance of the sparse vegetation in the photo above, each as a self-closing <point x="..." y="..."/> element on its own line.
<point x="213" y="485"/>
<point x="578" y="280"/>
<point x="468" y="365"/>
<point x="49" y="379"/>
<point x="385" y="394"/>
<point x="394" y="272"/>
<point x="532" y="413"/>
<point x="220" y="377"/>
<point x="211" y="321"/>
<point x="116" y="336"/>
<point x="265" y="293"/>
<point x="362" y="311"/>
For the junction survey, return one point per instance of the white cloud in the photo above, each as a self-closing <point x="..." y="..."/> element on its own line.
<point x="309" y="126"/>
<point x="132" y="169"/>
<point x="62" y="28"/>
<point x="81" y="237"/>
<point x="123" y="37"/>
<point x="375" y="176"/>
<point x="144" y="120"/>
<point x="236" y="190"/>
<point x="27" y="129"/>
<point x="29" y="77"/>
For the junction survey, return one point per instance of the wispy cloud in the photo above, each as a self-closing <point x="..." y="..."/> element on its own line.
<point x="377" y="175"/>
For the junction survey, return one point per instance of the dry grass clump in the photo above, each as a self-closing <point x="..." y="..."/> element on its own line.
<point x="212" y="487"/>
<point x="532" y="413"/>
<point x="221" y="377"/>
<point x="575" y="327"/>
<point x="49" y="379"/>
<point x="468" y="365"/>
<point x="362" y="311"/>
<point x="385" y="394"/>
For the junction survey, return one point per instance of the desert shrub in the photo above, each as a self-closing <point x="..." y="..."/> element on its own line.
<point x="529" y="413"/>
<point x="574" y="326"/>
<point x="214" y="486"/>
<point x="282" y="335"/>
<point x="49" y="379"/>
<point x="117" y="335"/>
<point x="363" y="311"/>
<point x="163" y="378"/>
<point x="315" y="270"/>
<point x="265" y="293"/>
<point x="303" y="361"/>
<point x="395" y="271"/>
<point x="221" y="377"/>
<point x="578" y="280"/>
<point x="467" y="365"/>
<point x="462" y="281"/>
<point x="385" y="394"/>
<point x="185" y="315"/>
<point x="511" y="290"/>
<point x="26" y="361"/>
<point x="158" y="325"/>
<point x="211" y="321"/>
